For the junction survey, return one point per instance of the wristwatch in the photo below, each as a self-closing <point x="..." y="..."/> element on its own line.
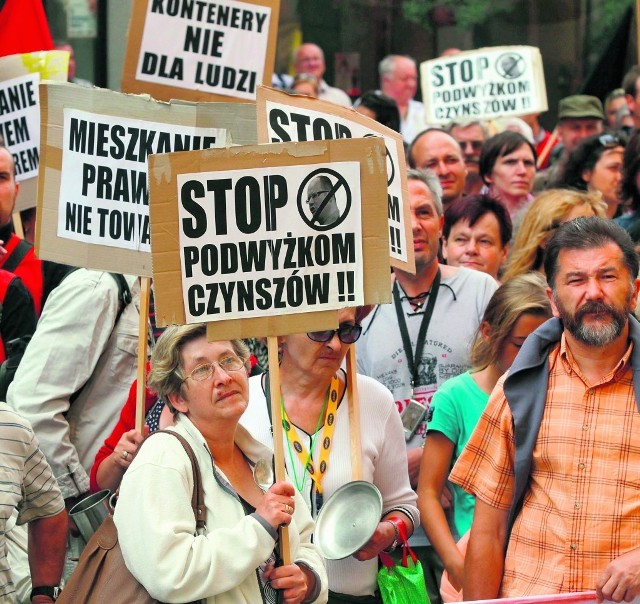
<point x="53" y="591"/>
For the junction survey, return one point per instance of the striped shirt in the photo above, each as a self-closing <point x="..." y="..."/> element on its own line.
<point x="582" y="508"/>
<point x="26" y="484"/>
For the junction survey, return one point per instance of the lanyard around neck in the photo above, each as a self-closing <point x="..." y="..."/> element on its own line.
<point x="294" y="441"/>
<point x="413" y="360"/>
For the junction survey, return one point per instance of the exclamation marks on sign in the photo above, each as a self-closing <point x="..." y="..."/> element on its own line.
<point x="394" y="239"/>
<point x="346" y="286"/>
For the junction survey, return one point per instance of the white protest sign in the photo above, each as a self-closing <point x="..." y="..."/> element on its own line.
<point x="20" y="123"/>
<point x="483" y="84"/>
<point x="222" y="48"/>
<point x="269" y="239"/>
<point x="103" y="190"/>
<point x="20" y="76"/>
<point x="267" y="242"/>
<point x="284" y="118"/>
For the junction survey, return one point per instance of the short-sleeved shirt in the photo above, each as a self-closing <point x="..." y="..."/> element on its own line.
<point x="457" y="406"/>
<point x="582" y="507"/>
<point x="26" y="483"/>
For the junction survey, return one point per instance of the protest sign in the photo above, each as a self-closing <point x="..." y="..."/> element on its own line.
<point x="264" y="235"/>
<point x="201" y="50"/>
<point x="20" y="77"/>
<point x="483" y="84"/>
<point x="283" y="117"/>
<point x="93" y="192"/>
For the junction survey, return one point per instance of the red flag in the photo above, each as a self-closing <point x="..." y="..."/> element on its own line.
<point x="23" y="27"/>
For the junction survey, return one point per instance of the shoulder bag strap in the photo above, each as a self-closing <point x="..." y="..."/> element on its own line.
<point x="18" y="255"/>
<point x="197" y="497"/>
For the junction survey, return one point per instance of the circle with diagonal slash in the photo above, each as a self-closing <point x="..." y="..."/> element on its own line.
<point x="338" y="182"/>
<point x="391" y="168"/>
<point x="510" y="65"/>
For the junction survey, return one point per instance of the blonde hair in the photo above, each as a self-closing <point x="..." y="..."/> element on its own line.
<point x="524" y="294"/>
<point x="543" y="216"/>
<point x="166" y="376"/>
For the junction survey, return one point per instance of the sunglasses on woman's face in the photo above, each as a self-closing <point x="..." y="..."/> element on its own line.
<point x="347" y="334"/>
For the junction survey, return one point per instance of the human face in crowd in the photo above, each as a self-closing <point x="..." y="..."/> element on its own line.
<point x="402" y="84"/>
<point x="526" y="324"/>
<point x="425" y="223"/>
<point x="470" y="138"/>
<point x="634" y="104"/>
<point x="606" y="177"/>
<point x="477" y="247"/>
<point x="612" y="110"/>
<point x="512" y="175"/>
<point x="438" y="151"/>
<point x="223" y="396"/>
<point x="8" y="187"/>
<point x="310" y="59"/>
<point x="593" y="294"/>
<point x="320" y="359"/>
<point x="574" y="129"/>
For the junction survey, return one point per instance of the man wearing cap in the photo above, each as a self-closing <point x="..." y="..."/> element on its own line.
<point x="579" y="116"/>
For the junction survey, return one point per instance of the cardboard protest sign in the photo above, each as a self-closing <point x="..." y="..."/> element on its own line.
<point x="20" y="77"/>
<point x="201" y="51"/>
<point x="263" y="235"/>
<point x="93" y="192"/>
<point x="283" y="117"/>
<point x="483" y="84"/>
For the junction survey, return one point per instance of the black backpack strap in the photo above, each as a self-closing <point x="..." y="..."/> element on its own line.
<point x="17" y="256"/>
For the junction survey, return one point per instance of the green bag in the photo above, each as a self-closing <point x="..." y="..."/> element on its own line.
<point x="402" y="583"/>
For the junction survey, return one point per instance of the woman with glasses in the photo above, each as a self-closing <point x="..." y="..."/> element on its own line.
<point x="233" y="560"/>
<point x="548" y="211"/>
<point x="596" y="166"/>
<point x="315" y="409"/>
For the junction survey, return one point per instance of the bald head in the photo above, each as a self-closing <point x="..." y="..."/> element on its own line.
<point x="8" y="186"/>
<point x="437" y="150"/>
<point x="309" y="58"/>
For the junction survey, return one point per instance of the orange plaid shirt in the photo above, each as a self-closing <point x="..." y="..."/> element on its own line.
<point x="582" y="508"/>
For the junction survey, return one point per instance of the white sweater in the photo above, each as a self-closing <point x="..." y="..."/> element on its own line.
<point x="156" y="526"/>
<point x="384" y="463"/>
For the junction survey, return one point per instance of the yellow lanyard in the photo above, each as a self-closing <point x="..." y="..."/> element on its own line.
<point x="294" y="440"/>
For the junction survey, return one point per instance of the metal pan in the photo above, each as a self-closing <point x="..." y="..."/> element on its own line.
<point x="348" y="519"/>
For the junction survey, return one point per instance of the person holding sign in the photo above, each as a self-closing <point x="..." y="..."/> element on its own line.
<point x="315" y="408"/>
<point x="507" y="167"/>
<point x="206" y="386"/>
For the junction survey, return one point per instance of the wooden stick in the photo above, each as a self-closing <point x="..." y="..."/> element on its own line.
<point x="278" y="446"/>
<point x="145" y="289"/>
<point x="548" y="146"/>
<point x="354" y="414"/>
<point x="17" y="225"/>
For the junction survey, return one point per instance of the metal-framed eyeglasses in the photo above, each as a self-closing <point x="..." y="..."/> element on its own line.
<point x="347" y="334"/>
<point x="317" y="196"/>
<point x="205" y="370"/>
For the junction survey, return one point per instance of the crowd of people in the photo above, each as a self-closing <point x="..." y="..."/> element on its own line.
<point x="498" y="391"/>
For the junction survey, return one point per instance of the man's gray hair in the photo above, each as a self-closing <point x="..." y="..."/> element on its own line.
<point x="466" y="123"/>
<point x="431" y="181"/>
<point x="387" y="66"/>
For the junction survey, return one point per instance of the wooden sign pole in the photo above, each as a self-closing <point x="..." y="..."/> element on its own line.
<point x="354" y="414"/>
<point x="278" y="447"/>
<point x="145" y="289"/>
